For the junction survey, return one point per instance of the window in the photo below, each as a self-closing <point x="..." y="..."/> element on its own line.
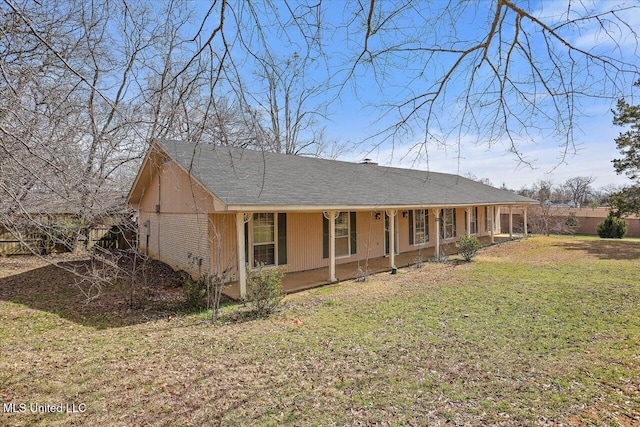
<point x="474" y="220"/>
<point x="342" y="234"/>
<point x="420" y="226"/>
<point x="345" y="235"/>
<point x="264" y="245"/>
<point x="487" y="218"/>
<point x="449" y="223"/>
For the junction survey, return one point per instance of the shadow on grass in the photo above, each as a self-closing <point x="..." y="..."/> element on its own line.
<point x="54" y="289"/>
<point x="606" y="249"/>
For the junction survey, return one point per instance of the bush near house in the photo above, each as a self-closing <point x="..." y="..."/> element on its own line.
<point x="195" y="292"/>
<point x="264" y="289"/>
<point x="468" y="247"/>
<point x="612" y="227"/>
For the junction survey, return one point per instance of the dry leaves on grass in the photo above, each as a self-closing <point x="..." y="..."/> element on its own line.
<point x="55" y="284"/>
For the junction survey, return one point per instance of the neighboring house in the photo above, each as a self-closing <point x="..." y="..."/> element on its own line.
<point x="206" y="209"/>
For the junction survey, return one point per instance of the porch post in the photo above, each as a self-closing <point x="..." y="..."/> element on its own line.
<point x="437" y="215"/>
<point x="468" y="210"/>
<point x="493" y="225"/>
<point x="332" y="246"/>
<point x="392" y="238"/>
<point x="526" y="231"/>
<point x="511" y="221"/>
<point x="242" y="263"/>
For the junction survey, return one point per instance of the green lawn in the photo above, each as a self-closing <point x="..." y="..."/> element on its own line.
<point x="541" y="331"/>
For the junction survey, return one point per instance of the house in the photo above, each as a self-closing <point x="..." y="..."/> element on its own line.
<point x="207" y="209"/>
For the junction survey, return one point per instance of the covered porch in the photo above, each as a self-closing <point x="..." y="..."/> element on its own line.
<point x="302" y="280"/>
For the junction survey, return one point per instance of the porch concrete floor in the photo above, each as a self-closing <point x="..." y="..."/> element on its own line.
<point x="302" y="280"/>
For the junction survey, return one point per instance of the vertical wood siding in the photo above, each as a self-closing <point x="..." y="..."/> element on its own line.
<point x="223" y="249"/>
<point x="304" y="241"/>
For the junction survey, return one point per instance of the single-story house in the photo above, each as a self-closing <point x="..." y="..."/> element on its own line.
<point x="207" y="209"/>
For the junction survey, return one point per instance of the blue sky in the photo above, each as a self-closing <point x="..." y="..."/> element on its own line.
<point x="593" y="134"/>
<point x="355" y="116"/>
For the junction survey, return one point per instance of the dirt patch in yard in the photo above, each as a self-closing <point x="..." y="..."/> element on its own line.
<point x="64" y="284"/>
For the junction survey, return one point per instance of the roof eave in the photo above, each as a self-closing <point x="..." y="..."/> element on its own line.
<point x="322" y="208"/>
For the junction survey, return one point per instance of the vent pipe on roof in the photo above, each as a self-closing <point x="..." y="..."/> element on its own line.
<point x="368" y="162"/>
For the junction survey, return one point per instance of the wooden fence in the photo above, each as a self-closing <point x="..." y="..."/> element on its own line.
<point x="108" y="237"/>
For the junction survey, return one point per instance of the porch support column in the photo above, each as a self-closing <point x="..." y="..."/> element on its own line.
<point x="392" y="238"/>
<point x="493" y="223"/>
<point x="510" y="221"/>
<point x="331" y="216"/>
<point x="242" y="262"/>
<point x="526" y="231"/>
<point x="468" y="210"/>
<point x="437" y="216"/>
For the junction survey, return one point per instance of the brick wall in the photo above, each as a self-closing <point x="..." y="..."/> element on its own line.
<point x="588" y="222"/>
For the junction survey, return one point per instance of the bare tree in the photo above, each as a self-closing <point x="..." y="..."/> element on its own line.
<point x="497" y="70"/>
<point x="601" y="196"/>
<point x="291" y="117"/>
<point x="84" y="86"/>
<point x="542" y="217"/>
<point x="494" y="71"/>
<point x="284" y="81"/>
<point x="578" y="189"/>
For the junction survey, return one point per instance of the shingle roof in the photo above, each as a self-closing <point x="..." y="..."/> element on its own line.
<point x="246" y="177"/>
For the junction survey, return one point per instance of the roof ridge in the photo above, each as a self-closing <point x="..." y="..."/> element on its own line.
<point x="161" y="141"/>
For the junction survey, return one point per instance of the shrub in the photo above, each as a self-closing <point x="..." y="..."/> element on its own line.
<point x="264" y="289"/>
<point x="572" y="223"/>
<point x="468" y="247"/>
<point x="195" y="292"/>
<point x="219" y="283"/>
<point x="612" y="227"/>
<point x="362" y="274"/>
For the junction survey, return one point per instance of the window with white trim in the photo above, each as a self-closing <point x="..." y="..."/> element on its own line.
<point x="264" y="235"/>
<point x="343" y="243"/>
<point x="474" y="220"/>
<point x="420" y="226"/>
<point x="449" y="223"/>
